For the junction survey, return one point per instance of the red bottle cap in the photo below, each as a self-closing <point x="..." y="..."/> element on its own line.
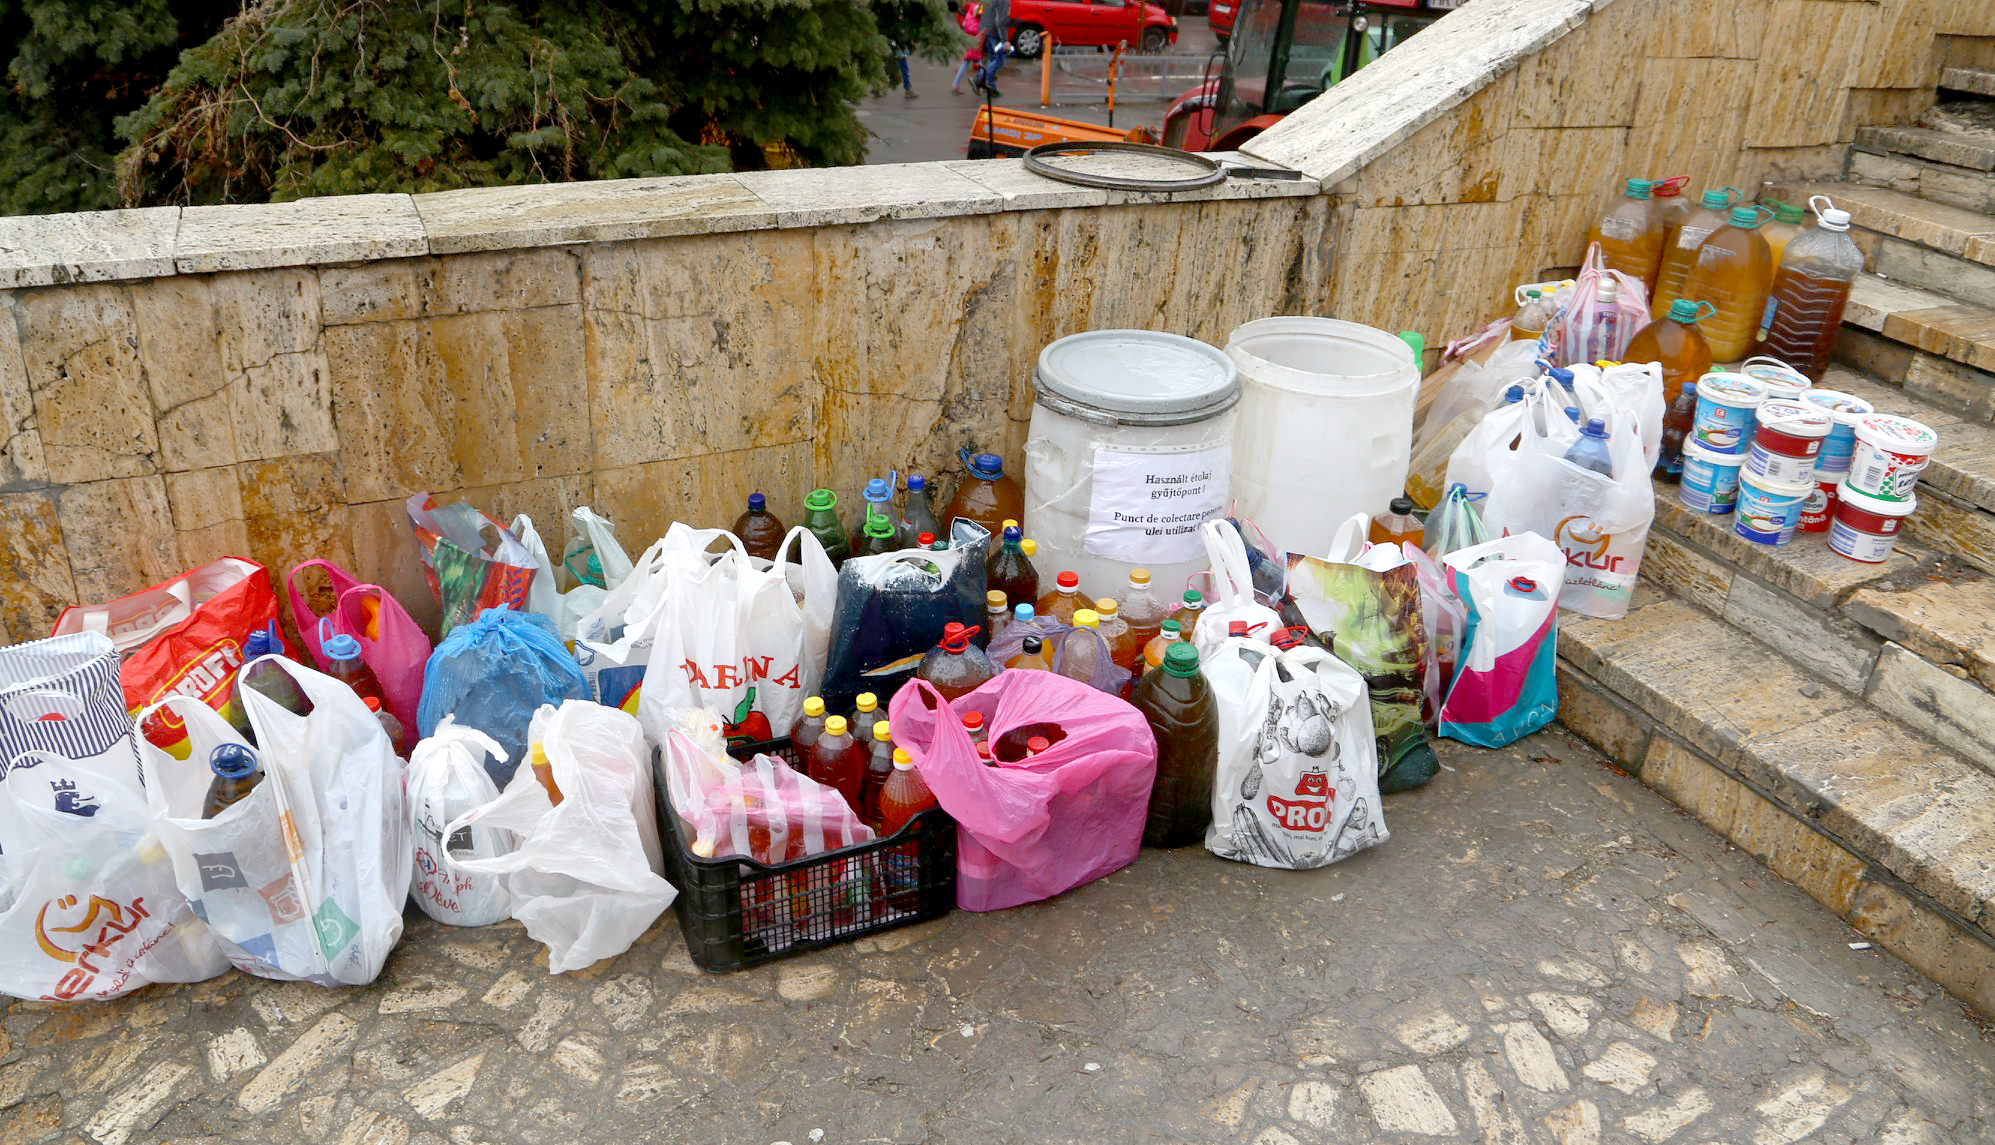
<point x="373" y="705"/>
<point x="956" y="638"/>
<point x="1070" y="580"/>
<point x="983" y="751"/>
<point x="972" y="721"/>
<point x="1036" y="744"/>
<point x="1236" y="628"/>
<point x="925" y="539"/>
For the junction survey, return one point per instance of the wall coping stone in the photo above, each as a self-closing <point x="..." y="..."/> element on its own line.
<point x="155" y="242"/>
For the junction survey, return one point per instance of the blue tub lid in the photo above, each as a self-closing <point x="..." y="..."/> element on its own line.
<point x="1135" y="377"/>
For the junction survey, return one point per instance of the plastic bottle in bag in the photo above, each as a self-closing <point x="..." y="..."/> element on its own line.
<point x="1396" y="524"/>
<point x="1185" y="720"/>
<point x="986" y="495"/>
<point x="268" y="680"/>
<point x="904" y="796"/>
<point x="544" y="771"/>
<point x="821" y="518"/>
<point x="1143" y="607"/>
<point x="397" y="735"/>
<point x="956" y="667"/>
<point x="918" y="514"/>
<point x="343" y="662"/>
<point x="1677" y="421"/>
<point x="1065" y="600"/>
<point x="1031" y="656"/>
<point x="237" y="772"/>
<point x="1674" y="343"/>
<point x="760" y="532"/>
<point x="1630" y="233"/>
<point x="1734" y="272"/>
<point x="879" y="536"/>
<point x="1079" y="650"/>
<point x="1680" y="254"/>
<point x="1534" y="313"/>
<point x="1590" y="450"/>
<point x="1603" y="337"/>
<point x="1804" y="309"/>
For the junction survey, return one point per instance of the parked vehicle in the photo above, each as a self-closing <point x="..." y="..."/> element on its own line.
<point x="1288" y="52"/>
<point x="1090" y="23"/>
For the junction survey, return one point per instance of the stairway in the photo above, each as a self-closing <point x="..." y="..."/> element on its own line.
<point x="1833" y="718"/>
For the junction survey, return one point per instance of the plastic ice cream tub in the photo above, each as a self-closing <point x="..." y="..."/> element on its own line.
<point x="1890" y="454"/>
<point x="1787" y="436"/>
<point x="1723" y="422"/>
<point x="1781" y="380"/>
<point x="1710" y="480"/>
<point x="1769" y="512"/>
<point x="1845" y="410"/>
<point x="1820" y="507"/>
<point x="1866" y="527"/>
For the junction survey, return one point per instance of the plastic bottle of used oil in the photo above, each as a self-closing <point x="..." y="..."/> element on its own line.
<point x="1674" y="342"/>
<point x="1674" y="205"/>
<point x="1185" y="721"/>
<point x="1630" y="232"/>
<point x="1680" y="253"/>
<point x="1804" y="309"/>
<point x="1782" y="226"/>
<point x="986" y="495"/>
<point x="1734" y="272"/>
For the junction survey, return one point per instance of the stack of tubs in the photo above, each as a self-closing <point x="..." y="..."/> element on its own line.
<point x="1783" y="457"/>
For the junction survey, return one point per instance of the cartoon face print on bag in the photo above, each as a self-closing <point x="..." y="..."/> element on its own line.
<point x="1309" y="730"/>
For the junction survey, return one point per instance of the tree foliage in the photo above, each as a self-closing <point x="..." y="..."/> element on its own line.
<point x="289" y="98"/>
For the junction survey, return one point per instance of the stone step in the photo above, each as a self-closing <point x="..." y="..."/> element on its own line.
<point x="1975" y="81"/>
<point x="1938" y="182"/>
<point x="1912" y="240"/>
<point x="1891" y="831"/>
<point x="1907" y="635"/>
<point x="1953" y="148"/>
<point x="1940" y="350"/>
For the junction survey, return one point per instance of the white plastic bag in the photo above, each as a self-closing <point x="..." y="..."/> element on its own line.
<point x="1477" y="387"/>
<point x="585" y="877"/>
<point x="1632" y="389"/>
<point x="567" y="609"/>
<point x="305" y="877"/>
<point x="88" y="905"/>
<point x="447" y="778"/>
<point x="613" y="644"/>
<point x="1489" y="452"/>
<point x="1507" y="684"/>
<point x="61" y="697"/>
<point x="1601" y="523"/>
<point x="1297" y="784"/>
<point x="742" y="637"/>
<point x="1232" y="591"/>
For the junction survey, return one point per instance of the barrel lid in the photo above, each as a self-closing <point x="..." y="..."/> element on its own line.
<point x="1794" y="419"/>
<point x="1845" y="408"/>
<point x="1135" y="377"/>
<point x="1731" y="389"/>
<point x="1899" y="434"/>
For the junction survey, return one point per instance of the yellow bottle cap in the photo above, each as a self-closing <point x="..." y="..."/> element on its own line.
<point x="866" y="701"/>
<point x="1086" y="618"/>
<point x="1139" y="576"/>
<point x="835" y="726"/>
<point x="994" y="599"/>
<point x="1105" y="607"/>
<point x="814" y="706"/>
<point x="1028" y="546"/>
<point x="537" y="754"/>
<point x="902" y="758"/>
<point x="1009" y="524"/>
<point x="882" y="732"/>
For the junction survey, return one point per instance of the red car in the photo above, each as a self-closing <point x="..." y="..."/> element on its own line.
<point x="1089" y="24"/>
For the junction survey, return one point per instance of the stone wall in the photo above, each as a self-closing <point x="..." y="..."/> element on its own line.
<point x="272" y="381"/>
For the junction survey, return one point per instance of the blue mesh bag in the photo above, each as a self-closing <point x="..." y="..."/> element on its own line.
<point x="492" y="674"/>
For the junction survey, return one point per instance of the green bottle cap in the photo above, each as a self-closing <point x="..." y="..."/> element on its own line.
<point x="1192" y="596"/>
<point x="1639" y="188"/>
<point x="1745" y="218"/>
<point x="1414" y="342"/>
<point x="1170" y="627"/>
<point x="1785" y="212"/>
<point x="1719" y="199"/>
<point x="820" y="500"/>
<point x="1181" y="659"/>
<point x="1683" y="310"/>
<point x="878" y="526"/>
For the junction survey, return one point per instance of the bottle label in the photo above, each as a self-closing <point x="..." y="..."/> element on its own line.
<point x="1620" y="229"/>
<point x="1147" y="507"/>
<point x="1690" y="238"/>
<point x="1766" y="318"/>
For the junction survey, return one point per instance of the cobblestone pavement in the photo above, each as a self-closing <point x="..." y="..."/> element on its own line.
<point x="1544" y="951"/>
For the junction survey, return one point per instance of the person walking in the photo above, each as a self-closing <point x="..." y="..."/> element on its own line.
<point x="996" y="45"/>
<point x="970" y="18"/>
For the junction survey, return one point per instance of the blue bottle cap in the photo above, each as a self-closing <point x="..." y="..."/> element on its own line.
<point x="337" y="645"/>
<point x="877" y="490"/>
<point x="1572" y="413"/>
<point x="1013" y="533"/>
<point x="260" y="643"/>
<point x="1690" y="387"/>
<point x="1594" y="428"/>
<point x="916" y="483"/>
<point x="1022" y="612"/>
<point x="757" y="502"/>
<point x="1513" y="395"/>
<point x="987" y="465"/>
<point x="232" y="761"/>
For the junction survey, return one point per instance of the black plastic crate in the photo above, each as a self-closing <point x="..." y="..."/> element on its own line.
<point x="736" y="912"/>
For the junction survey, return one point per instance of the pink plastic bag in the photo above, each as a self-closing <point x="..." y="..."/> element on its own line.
<point x="392" y="644"/>
<point x="762" y="809"/>
<point x="1601" y="314"/>
<point x="1033" y="828"/>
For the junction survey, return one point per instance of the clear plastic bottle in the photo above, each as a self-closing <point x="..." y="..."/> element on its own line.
<point x="879" y="765"/>
<point x="1674" y="343"/>
<point x="1168" y="633"/>
<point x="1734" y="272"/>
<point x="266" y="679"/>
<point x="1065" y="600"/>
<point x="956" y="667"/>
<point x="1022" y="612"/>
<point x="821" y="518"/>
<point x="1785" y="223"/>
<point x="1009" y="571"/>
<point x="237" y="772"/>
<point x="904" y="796"/>
<point x="1804" y="308"/>
<point x="865" y="713"/>
<point x="1123" y="647"/>
<point x="1396" y="524"/>
<point x="1630" y="233"/>
<point x="876" y="503"/>
<point x="1029" y="547"/>
<point x="760" y="532"/>
<point x="1673" y="204"/>
<point x="1185" y="721"/>
<point x="1188" y="613"/>
<point x="1605" y="337"/>
<point x="1031" y="656"/>
<point x="1143" y="607"/>
<point x="997" y="615"/>
<point x="1680" y="254"/>
<point x="838" y="762"/>
<point x="1677" y="421"/>
<point x="809" y="726"/>
<point x="1590" y="451"/>
<point x="973" y="725"/>
<point x="918" y="513"/>
<point x="1534" y="313"/>
<point x="1080" y="650"/>
<point x="878" y="536"/>
<point x="986" y="495"/>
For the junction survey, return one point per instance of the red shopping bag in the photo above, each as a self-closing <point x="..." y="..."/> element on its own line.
<point x="392" y="645"/>
<point x="472" y="561"/>
<point x="181" y="637"/>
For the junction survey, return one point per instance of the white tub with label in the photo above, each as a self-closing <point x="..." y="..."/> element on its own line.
<point x="1130" y="450"/>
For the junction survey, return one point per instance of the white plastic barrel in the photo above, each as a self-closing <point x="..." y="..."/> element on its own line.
<point x="1324" y="428"/>
<point x="1129" y="451"/>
